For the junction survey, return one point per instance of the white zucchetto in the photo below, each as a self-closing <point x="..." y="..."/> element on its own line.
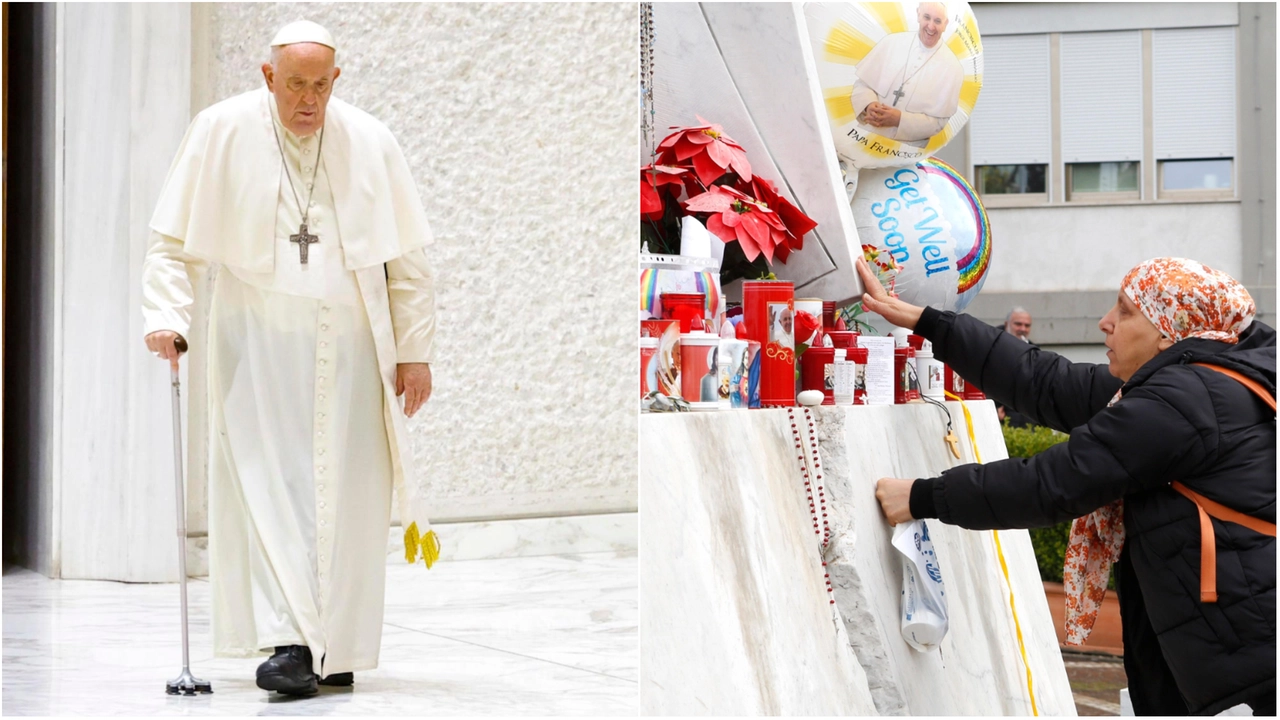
<point x="303" y="31"/>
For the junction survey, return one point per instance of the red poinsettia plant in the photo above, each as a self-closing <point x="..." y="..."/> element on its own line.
<point x="701" y="172"/>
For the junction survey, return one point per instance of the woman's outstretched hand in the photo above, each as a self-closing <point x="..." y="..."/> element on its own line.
<point x="877" y="300"/>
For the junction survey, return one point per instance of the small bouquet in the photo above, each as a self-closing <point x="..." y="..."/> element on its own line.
<point x="701" y="172"/>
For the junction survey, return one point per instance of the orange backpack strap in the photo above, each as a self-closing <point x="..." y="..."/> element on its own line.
<point x="1208" y="545"/>
<point x="1208" y="508"/>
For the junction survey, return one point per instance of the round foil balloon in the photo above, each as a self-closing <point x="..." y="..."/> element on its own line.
<point x="900" y="79"/>
<point x="931" y="222"/>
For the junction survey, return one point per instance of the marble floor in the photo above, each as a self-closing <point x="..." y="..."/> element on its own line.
<point x="550" y="635"/>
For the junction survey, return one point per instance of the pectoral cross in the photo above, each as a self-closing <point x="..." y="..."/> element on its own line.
<point x="303" y="238"/>
<point x="897" y="95"/>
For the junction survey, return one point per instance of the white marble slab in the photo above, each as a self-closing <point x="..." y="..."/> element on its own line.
<point x="715" y="486"/>
<point x="525" y="636"/>
<point x="765" y="47"/>
<point x="862" y="444"/>
<point x="736" y="616"/>
<point x="691" y="79"/>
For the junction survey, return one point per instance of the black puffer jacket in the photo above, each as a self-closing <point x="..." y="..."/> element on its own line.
<point x="1175" y="422"/>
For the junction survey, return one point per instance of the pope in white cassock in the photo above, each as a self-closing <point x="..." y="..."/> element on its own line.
<point x="321" y="316"/>
<point x="909" y="84"/>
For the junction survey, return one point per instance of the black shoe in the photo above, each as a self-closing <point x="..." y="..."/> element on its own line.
<point x="339" y="680"/>
<point x="289" y="671"/>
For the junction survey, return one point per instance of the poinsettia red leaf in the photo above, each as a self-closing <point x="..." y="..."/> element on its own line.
<point x="738" y="161"/>
<point x="772" y="220"/>
<point x="650" y="201"/>
<point x="731" y="218"/>
<point x="685" y="149"/>
<point x="767" y="249"/>
<point x="717" y="228"/>
<point x="713" y="202"/>
<point x="756" y="229"/>
<point x="749" y="247"/>
<point x="781" y="252"/>
<point x="670" y="140"/>
<point x="699" y="138"/>
<point x="796" y="221"/>
<point x="706" y="168"/>
<point x="719" y="154"/>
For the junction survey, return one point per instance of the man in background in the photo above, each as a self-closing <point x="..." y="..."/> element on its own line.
<point x="1018" y="324"/>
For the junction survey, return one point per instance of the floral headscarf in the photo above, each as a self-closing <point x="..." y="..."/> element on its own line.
<point x="1183" y="299"/>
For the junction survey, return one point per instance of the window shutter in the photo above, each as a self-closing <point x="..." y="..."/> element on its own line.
<point x="1011" y="122"/>
<point x="1194" y="93"/>
<point x="1102" y="97"/>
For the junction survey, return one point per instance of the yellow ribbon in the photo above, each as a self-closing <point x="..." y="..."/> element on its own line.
<point x="429" y="544"/>
<point x="1004" y="566"/>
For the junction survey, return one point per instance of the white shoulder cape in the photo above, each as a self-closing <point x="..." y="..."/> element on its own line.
<point x="220" y="196"/>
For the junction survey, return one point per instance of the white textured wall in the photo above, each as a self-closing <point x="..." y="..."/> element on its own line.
<point x="519" y="124"/>
<point x="1092" y="247"/>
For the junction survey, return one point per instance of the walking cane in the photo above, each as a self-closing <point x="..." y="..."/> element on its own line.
<point x="185" y="683"/>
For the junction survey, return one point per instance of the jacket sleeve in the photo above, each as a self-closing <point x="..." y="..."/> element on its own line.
<point x="1042" y="385"/>
<point x="1142" y="442"/>
<point x="168" y="279"/>
<point x="412" y="294"/>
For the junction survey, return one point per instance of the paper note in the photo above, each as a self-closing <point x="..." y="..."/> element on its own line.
<point x="879" y="369"/>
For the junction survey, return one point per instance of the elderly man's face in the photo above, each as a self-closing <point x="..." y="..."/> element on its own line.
<point x="301" y="80"/>
<point x="933" y="21"/>
<point x="1020" y="325"/>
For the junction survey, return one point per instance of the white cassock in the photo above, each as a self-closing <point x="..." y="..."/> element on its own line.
<point x="307" y="437"/>
<point x="929" y="79"/>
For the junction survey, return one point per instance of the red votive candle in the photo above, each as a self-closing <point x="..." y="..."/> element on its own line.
<point x="684" y="307"/>
<point x="815" y="372"/>
<point x="769" y="307"/>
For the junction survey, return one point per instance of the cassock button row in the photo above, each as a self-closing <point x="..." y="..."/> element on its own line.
<point x="321" y="416"/>
<point x="322" y="505"/>
<point x="321" y="451"/>
<point x="322" y="342"/>
<point x="321" y="400"/>
<point x="324" y="327"/>
<point x="323" y="523"/>
<point x="321" y="378"/>
<point x="323" y="362"/>
<point x="324" y="308"/>
<point x="322" y="490"/>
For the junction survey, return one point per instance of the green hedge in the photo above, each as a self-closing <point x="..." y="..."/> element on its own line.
<point x="1050" y="543"/>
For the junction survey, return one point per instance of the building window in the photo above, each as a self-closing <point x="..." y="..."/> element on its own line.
<point x="1103" y="181"/>
<point x="1011" y="132"/>
<point x="1194" y="69"/>
<point x="1196" y="179"/>
<point x="1101" y="113"/>
<point x="1012" y="179"/>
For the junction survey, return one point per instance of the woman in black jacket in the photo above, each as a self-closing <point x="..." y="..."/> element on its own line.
<point x="1153" y="420"/>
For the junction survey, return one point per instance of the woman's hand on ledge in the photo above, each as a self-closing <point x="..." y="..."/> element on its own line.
<point x="894" y="495"/>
